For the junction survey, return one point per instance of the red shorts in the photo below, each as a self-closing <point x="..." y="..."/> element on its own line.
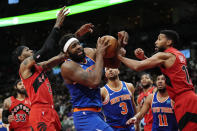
<point x="44" y="117"/>
<point x="186" y="111"/>
<point x="148" y="127"/>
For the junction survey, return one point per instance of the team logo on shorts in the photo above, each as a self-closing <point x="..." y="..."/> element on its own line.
<point x="42" y="126"/>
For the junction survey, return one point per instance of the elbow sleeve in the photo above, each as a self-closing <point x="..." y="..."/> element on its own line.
<point x="50" y="47"/>
<point x="5" y="115"/>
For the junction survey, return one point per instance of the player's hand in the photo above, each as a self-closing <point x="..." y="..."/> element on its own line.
<point x="131" y="121"/>
<point x="84" y="29"/>
<point x="139" y="53"/>
<point x="121" y="53"/>
<point x="102" y="44"/>
<point x="11" y="118"/>
<point x="123" y="38"/>
<point x="61" y="16"/>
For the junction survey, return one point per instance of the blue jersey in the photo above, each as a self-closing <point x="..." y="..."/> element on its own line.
<point x="2" y="128"/>
<point x="163" y="115"/>
<point x="118" y="108"/>
<point x="82" y="96"/>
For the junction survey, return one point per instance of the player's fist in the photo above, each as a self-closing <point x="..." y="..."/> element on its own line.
<point x="11" y="118"/>
<point x="139" y="53"/>
<point x="131" y="121"/>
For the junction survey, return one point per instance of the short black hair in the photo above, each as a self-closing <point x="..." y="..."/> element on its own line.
<point x="16" y="53"/>
<point x="17" y="81"/>
<point x="171" y="35"/>
<point x="64" y="39"/>
<point x="144" y="73"/>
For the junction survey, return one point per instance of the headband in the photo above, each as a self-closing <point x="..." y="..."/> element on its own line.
<point x="68" y="43"/>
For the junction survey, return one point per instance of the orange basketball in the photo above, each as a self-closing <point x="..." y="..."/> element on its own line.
<point x="112" y="49"/>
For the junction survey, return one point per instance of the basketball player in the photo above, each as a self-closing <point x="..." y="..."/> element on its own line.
<point x="148" y="88"/>
<point x="179" y="85"/>
<point x="32" y="72"/>
<point x="161" y="106"/>
<point x="16" y="109"/>
<point x="118" y="101"/>
<point x="82" y="75"/>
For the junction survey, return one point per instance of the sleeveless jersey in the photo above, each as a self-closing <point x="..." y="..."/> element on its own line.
<point x="21" y="110"/>
<point x="83" y="96"/>
<point x="177" y="77"/>
<point x="2" y="126"/>
<point x="148" y="118"/>
<point x="163" y="115"/>
<point x="38" y="87"/>
<point x="118" y="108"/>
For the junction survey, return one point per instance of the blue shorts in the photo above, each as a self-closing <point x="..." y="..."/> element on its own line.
<point x="90" y="121"/>
<point x="131" y="128"/>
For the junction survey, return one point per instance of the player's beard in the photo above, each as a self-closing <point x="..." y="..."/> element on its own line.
<point x="23" y="92"/>
<point x="77" y="58"/>
<point x="160" y="49"/>
<point x="163" y="90"/>
<point x="113" y="78"/>
<point x="146" y="86"/>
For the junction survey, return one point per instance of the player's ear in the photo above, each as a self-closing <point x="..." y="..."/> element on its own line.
<point x="169" y="42"/>
<point x="15" y="87"/>
<point x="20" y="58"/>
<point x="118" y="71"/>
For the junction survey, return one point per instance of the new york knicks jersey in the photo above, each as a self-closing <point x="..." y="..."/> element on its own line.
<point x="163" y="115"/>
<point x="118" y="108"/>
<point x="82" y="96"/>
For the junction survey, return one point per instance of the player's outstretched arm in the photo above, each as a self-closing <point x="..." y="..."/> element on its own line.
<point x="54" y="61"/>
<point x="49" y="48"/>
<point x="156" y="60"/>
<point x="72" y="71"/>
<point x="146" y="106"/>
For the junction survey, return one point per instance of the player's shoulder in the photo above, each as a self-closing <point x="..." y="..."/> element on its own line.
<point x="69" y="65"/>
<point x="7" y="102"/>
<point x="130" y="86"/>
<point x="90" y="52"/>
<point x="163" y="55"/>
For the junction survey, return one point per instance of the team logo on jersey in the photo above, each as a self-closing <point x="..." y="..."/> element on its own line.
<point x="20" y="107"/>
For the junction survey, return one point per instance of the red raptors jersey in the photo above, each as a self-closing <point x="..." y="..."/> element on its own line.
<point x="177" y="77"/>
<point x="38" y="87"/>
<point x="148" y="118"/>
<point x="20" y="109"/>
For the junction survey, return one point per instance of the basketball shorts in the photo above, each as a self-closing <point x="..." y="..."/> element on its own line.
<point x="186" y="111"/>
<point x="90" y="121"/>
<point x="45" y="119"/>
<point x="131" y="128"/>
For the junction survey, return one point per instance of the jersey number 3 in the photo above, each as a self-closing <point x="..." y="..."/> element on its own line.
<point x="123" y="105"/>
<point x="162" y="120"/>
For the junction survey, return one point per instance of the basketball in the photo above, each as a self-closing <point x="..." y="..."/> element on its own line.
<point x="112" y="49"/>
